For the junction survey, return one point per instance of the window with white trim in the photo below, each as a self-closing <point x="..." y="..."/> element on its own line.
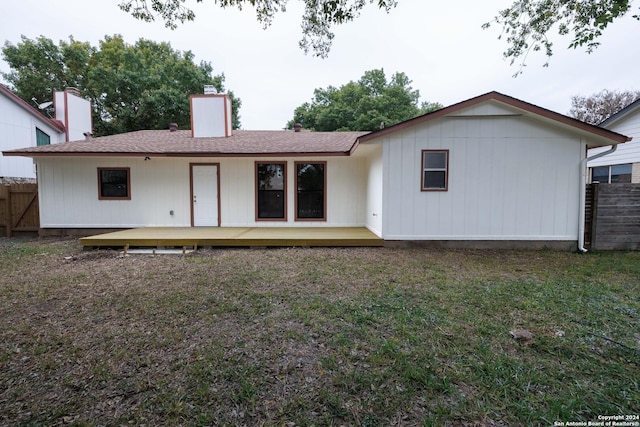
<point x="612" y="174"/>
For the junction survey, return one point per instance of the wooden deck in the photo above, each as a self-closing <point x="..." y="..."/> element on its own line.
<point x="159" y="237"/>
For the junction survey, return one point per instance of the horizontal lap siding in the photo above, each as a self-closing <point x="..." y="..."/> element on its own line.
<point x="617" y="220"/>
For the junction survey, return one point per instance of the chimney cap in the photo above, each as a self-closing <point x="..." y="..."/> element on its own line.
<point x="297" y="127"/>
<point x="210" y="90"/>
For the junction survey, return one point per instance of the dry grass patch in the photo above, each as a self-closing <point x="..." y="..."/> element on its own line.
<point x="315" y="336"/>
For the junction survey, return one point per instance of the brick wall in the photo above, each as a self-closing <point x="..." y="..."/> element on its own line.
<point x="635" y="173"/>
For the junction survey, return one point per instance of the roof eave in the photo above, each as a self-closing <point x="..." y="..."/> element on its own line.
<point x="175" y="155"/>
<point x="56" y="124"/>
<point x="612" y="137"/>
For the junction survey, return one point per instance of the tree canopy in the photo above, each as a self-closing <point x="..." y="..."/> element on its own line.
<point x="131" y="87"/>
<point x="598" y="107"/>
<point x="318" y="18"/>
<point x="366" y="104"/>
<point x="527" y="24"/>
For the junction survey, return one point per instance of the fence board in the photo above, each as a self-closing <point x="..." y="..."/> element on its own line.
<point x="19" y="211"/>
<point x="615" y="216"/>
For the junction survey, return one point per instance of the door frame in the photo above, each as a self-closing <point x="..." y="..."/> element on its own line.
<point x="191" y="165"/>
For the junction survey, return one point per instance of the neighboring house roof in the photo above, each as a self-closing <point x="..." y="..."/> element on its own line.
<point x="56" y="124"/>
<point x="181" y="144"/>
<point x="629" y="109"/>
<point x="605" y="136"/>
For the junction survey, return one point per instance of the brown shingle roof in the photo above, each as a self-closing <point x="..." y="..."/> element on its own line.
<point x="182" y="144"/>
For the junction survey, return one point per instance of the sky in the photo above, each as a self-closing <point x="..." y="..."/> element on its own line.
<point x="440" y="46"/>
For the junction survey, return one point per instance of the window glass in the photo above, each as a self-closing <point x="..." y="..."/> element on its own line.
<point x="611" y="174"/>
<point x="435" y="160"/>
<point x="271" y="185"/>
<point x="114" y="183"/>
<point x="435" y="165"/>
<point x="435" y="179"/>
<point x="600" y="174"/>
<point x="42" y="138"/>
<point x="621" y="173"/>
<point x="310" y="188"/>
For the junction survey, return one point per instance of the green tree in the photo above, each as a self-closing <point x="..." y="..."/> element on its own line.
<point x="526" y="24"/>
<point x="367" y="104"/>
<point x="131" y="87"/>
<point x="318" y="18"/>
<point x="39" y="67"/>
<point x="598" y="107"/>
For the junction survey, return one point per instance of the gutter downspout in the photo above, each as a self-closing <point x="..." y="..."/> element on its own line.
<point x="583" y="185"/>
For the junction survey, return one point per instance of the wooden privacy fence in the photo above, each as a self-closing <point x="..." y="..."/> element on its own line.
<point x="613" y="216"/>
<point x="19" y="209"/>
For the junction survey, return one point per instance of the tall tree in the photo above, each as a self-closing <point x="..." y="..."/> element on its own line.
<point x="367" y="104"/>
<point x="598" y="107"/>
<point x="318" y="18"/>
<point x="131" y="87"/>
<point x="526" y="24"/>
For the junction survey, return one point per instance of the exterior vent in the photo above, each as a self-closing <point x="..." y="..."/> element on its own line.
<point x="297" y="127"/>
<point x="173" y="127"/>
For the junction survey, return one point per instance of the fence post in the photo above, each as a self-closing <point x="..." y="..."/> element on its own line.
<point x="7" y="211"/>
<point x="594" y="214"/>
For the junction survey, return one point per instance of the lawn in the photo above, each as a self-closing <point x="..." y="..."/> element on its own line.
<point x="322" y="337"/>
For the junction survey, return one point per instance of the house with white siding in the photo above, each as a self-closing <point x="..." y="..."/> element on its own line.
<point x="491" y="171"/>
<point x="623" y="164"/>
<point x="22" y="125"/>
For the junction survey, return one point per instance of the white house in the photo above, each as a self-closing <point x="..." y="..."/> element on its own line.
<point x="492" y="170"/>
<point x="622" y="165"/>
<point x="21" y="125"/>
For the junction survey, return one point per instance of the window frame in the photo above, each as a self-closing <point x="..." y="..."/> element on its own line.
<point x="101" y="196"/>
<point x="257" y="190"/>
<point x="423" y="169"/>
<point x="43" y="133"/>
<point x="610" y="173"/>
<point x="324" y="190"/>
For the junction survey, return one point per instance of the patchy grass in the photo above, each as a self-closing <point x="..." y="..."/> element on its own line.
<point x="323" y="337"/>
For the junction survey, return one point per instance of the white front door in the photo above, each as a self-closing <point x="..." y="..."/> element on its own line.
<point x="204" y="195"/>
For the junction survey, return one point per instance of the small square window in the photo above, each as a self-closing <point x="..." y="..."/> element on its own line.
<point x="114" y="184"/>
<point x="435" y="170"/>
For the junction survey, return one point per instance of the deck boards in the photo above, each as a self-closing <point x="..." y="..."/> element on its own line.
<point x="235" y="236"/>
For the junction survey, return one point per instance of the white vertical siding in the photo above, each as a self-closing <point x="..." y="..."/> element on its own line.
<point x="509" y="179"/>
<point x="374" y="180"/>
<point x="18" y="130"/>
<point x="69" y="192"/>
